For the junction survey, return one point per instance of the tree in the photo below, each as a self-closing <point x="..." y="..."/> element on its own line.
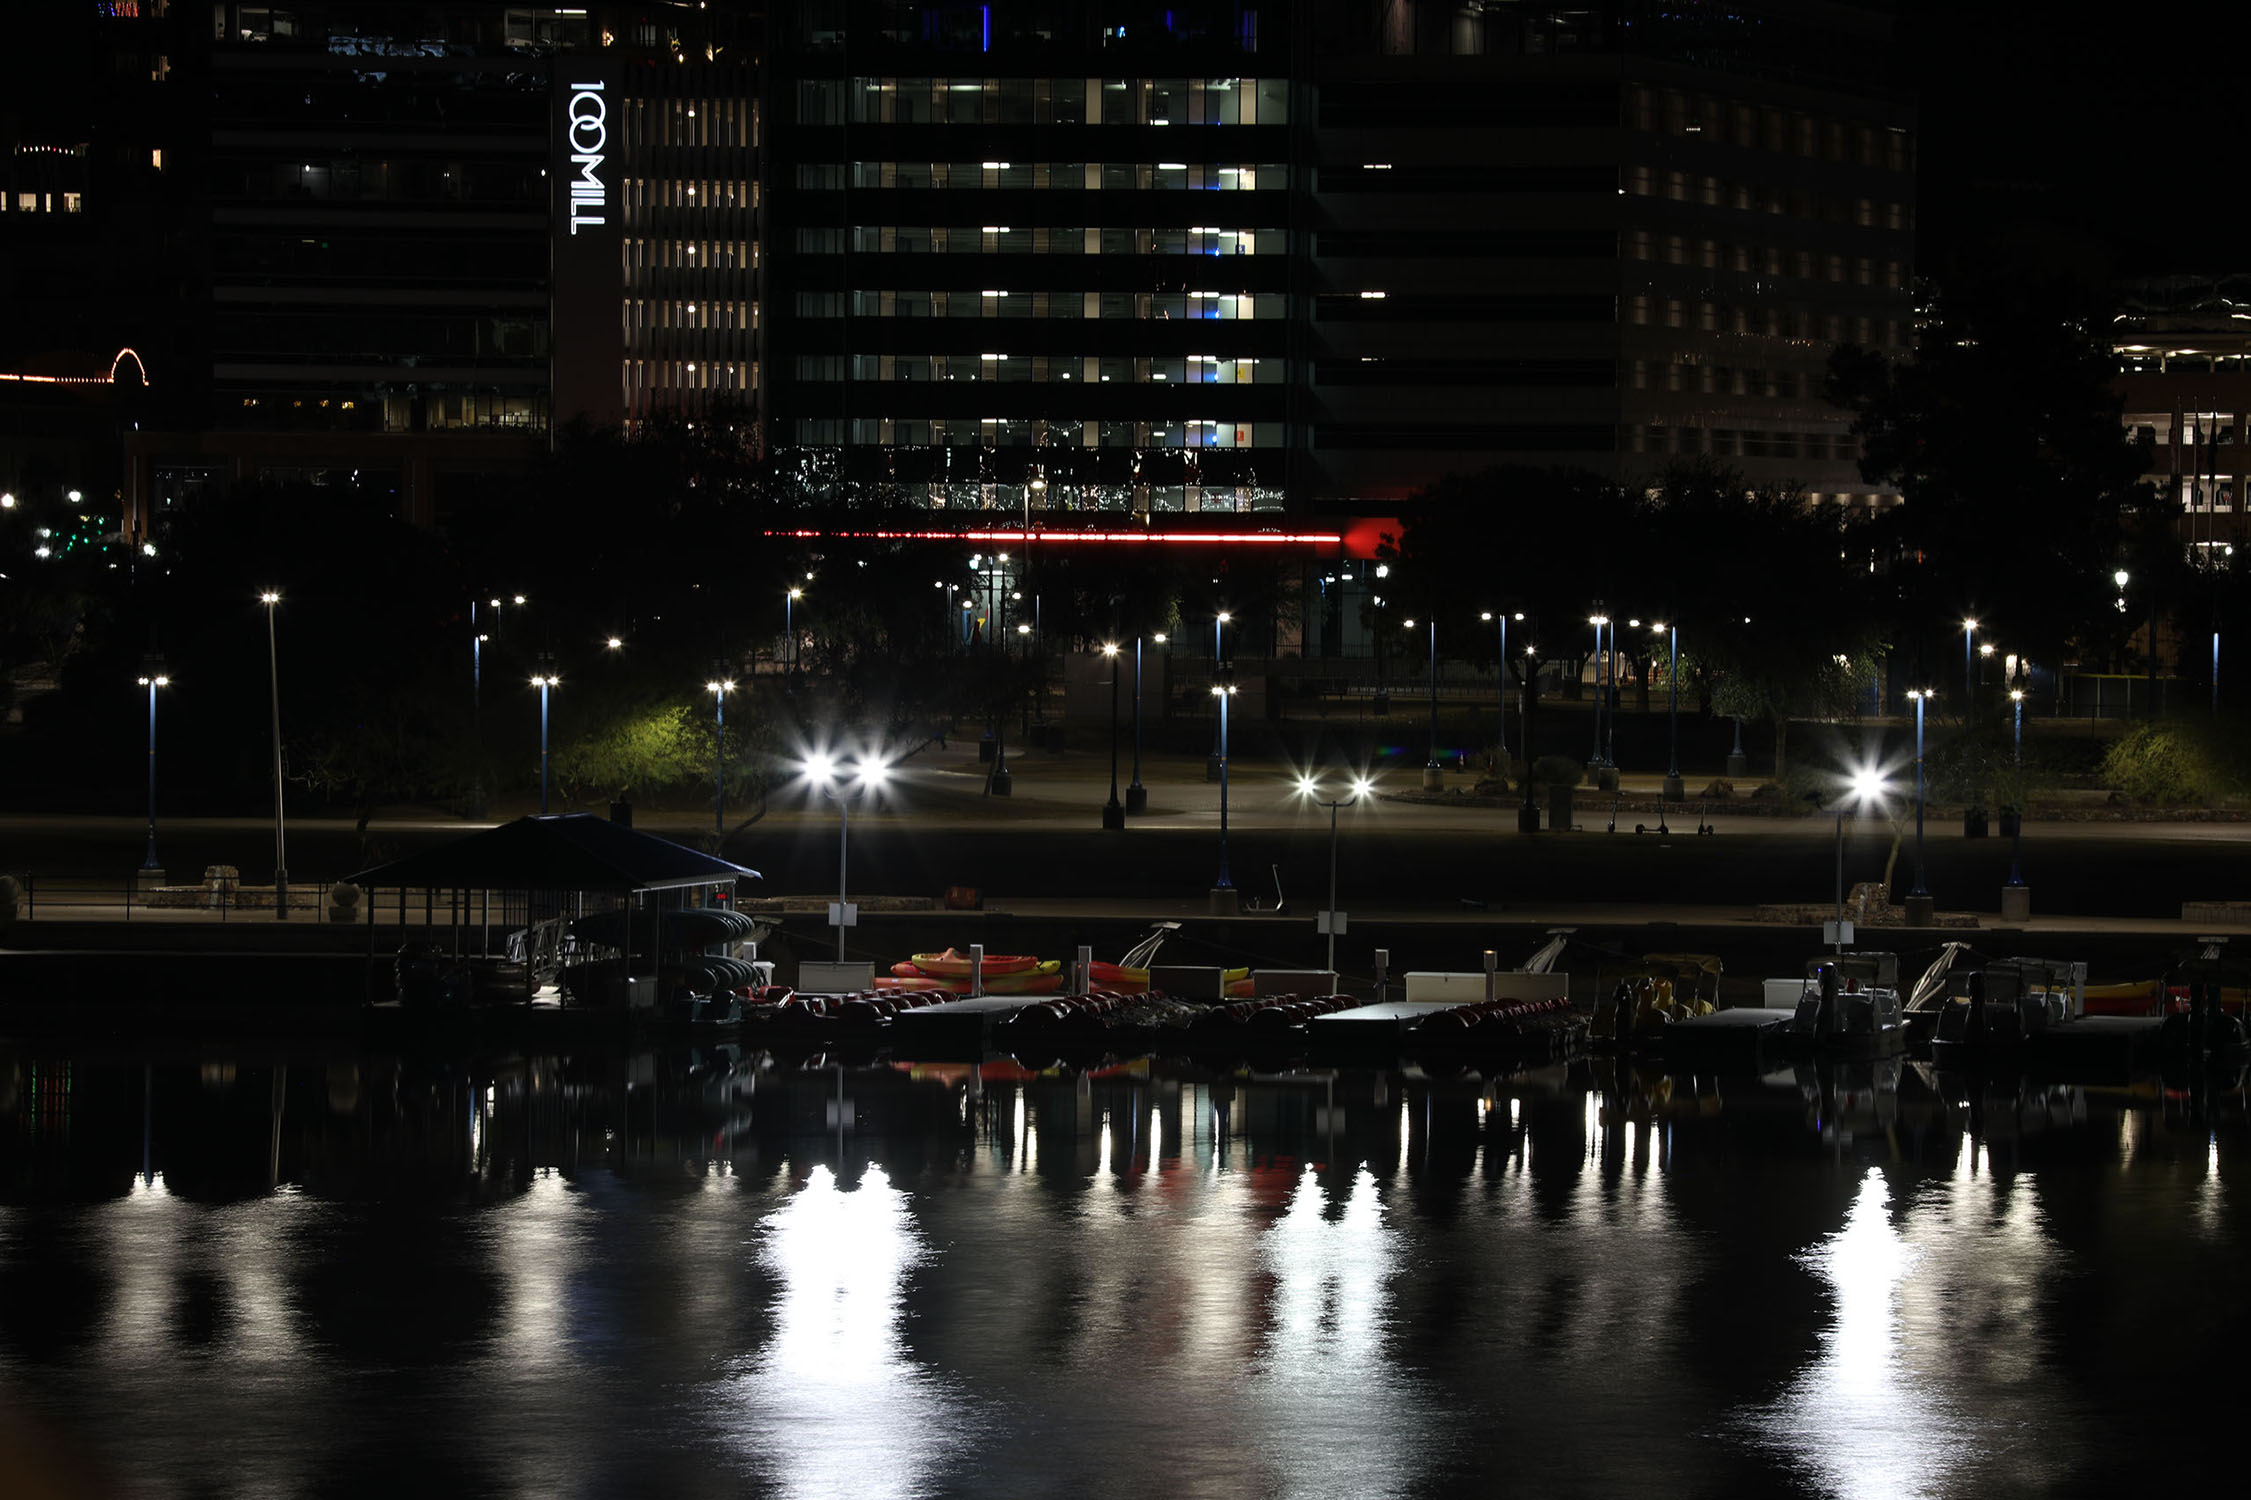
<point x="2003" y="436"/>
<point x="1776" y="614"/>
<point x="1552" y="543"/>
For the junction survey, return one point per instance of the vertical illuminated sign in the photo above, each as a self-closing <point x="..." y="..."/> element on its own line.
<point x="586" y="130"/>
<point x="587" y="157"/>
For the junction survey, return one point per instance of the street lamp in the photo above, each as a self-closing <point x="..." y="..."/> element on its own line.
<point x="270" y="598"/>
<point x="1674" y="791"/>
<point x="544" y="678"/>
<point x="789" y="623"/>
<point x="152" y="678"/>
<point x="867" y="778"/>
<point x="2016" y="799"/>
<point x="1137" y="795"/>
<point x="1113" y="811"/>
<point x="1501" y="689"/>
<point x="1331" y="921"/>
<point x="1434" y="776"/>
<point x="1865" y="786"/>
<point x="1212" y="767"/>
<point x="1223" y="691"/>
<point x="1595" y="761"/>
<point x="1528" y="815"/>
<point x="719" y="687"/>
<point x="1969" y="670"/>
<point x="1921" y="697"/>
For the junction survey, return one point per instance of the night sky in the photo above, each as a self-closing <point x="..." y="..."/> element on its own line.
<point x="2111" y="140"/>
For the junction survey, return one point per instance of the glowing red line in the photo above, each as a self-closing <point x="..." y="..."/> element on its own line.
<point x="1267" y="538"/>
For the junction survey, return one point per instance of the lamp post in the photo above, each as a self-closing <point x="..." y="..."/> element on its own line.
<point x="1865" y="786"/>
<point x="2016" y="824"/>
<point x="499" y="605"/>
<point x="1223" y="889"/>
<point x="827" y="775"/>
<point x="477" y="640"/>
<point x="1594" y="762"/>
<point x="544" y="679"/>
<point x="1674" y="790"/>
<point x="1500" y="717"/>
<point x="1214" y="767"/>
<point x="1919" y="897"/>
<point x="1113" y="811"/>
<point x="719" y="686"/>
<point x="271" y="598"/>
<point x="152" y="678"/>
<point x="1137" y="795"/>
<point x="1969" y="670"/>
<point x="1528" y="815"/>
<point x="1331" y="921"/>
<point x="1434" y="776"/>
<point x="789" y="623"/>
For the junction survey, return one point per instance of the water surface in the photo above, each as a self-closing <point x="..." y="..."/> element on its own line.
<point x="717" y="1273"/>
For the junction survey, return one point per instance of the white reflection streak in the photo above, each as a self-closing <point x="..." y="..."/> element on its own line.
<point x="538" y="1252"/>
<point x="2211" y="1193"/>
<point x="143" y="1243"/>
<point x="1338" y="1419"/>
<point x="833" y="1405"/>
<point x="1856" y="1420"/>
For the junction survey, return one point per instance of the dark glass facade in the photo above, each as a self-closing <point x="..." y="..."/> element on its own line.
<point x="1239" y="256"/>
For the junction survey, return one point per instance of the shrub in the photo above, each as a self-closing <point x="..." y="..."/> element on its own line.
<point x="2168" y="763"/>
<point x="1558" y="770"/>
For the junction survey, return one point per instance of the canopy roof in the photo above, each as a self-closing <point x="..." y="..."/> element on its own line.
<point x="563" y="852"/>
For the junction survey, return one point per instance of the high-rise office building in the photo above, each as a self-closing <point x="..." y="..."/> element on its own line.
<point x="1228" y="256"/>
<point x="1205" y="256"/>
<point x="436" y="232"/>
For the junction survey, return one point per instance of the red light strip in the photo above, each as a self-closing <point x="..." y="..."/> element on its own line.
<point x="1263" y="538"/>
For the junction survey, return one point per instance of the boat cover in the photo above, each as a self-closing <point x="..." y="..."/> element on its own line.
<point x="558" y="852"/>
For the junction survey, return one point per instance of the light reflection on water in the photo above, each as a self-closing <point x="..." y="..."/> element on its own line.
<point x="1335" y="1416"/>
<point x="833" y="1405"/>
<point x="514" y="1280"/>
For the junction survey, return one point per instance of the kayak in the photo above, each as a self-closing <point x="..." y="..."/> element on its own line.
<point x="954" y="964"/>
<point x="2140" y="998"/>
<point x="1043" y="980"/>
<point x="1025" y="984"/>
<point x="920" y="983"/>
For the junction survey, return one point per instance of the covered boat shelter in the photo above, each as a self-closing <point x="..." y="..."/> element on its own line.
<point x="537" y="881"/>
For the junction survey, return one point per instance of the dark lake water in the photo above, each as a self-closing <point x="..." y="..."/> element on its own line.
<point x="705" y="1274"/>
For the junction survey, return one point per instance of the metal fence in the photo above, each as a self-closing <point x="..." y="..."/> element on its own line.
<point x="64" y="898"/>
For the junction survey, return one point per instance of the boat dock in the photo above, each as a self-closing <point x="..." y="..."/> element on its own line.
<point x="955" y="1030"/>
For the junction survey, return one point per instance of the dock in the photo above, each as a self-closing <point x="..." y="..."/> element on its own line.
<point x="2092" y="1049"/>
<point x="955" y="1030"/>
<point x="1380" y="1027"/>
<point x="1746" y="1033"/>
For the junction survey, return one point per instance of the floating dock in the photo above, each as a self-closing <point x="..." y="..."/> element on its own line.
<point x="2092" y="1049"/>
<point x="955" y="1030"/>
<point x="1745" y="1034"/>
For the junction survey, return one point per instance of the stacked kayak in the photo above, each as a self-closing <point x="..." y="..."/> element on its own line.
<point x="1004" y="973"/>
<point x="1025" y="974"/>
